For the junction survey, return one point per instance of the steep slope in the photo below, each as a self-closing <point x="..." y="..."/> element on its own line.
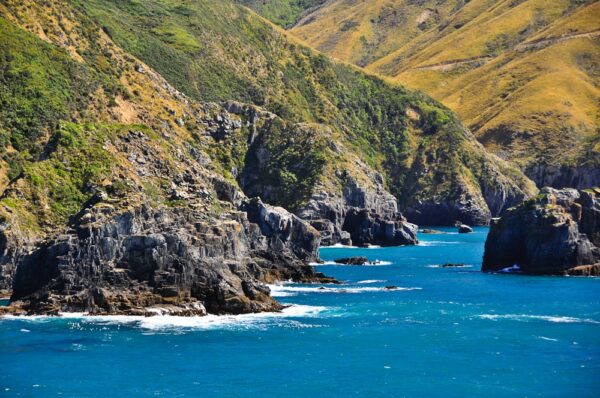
<point x="523" y="75"/>
<point x="425" y="157"/>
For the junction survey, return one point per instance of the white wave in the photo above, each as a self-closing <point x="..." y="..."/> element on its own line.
<point x="437" y="243"/>
<point x="546" y="338"/>
<point x="324" y="263"/>
<point x="287" y="290"/>
<point x="159" y="322"/>
<point x="509" y="270"/>
<point x="338" y="246"/>
<point x="376" y="263"/>
<point x="547" y="318"/>
<point x="440" y="266"/>
<point x="369" y="281"/>
<point x="368" y="264"/>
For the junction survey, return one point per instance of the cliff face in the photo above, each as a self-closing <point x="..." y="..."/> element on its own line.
<point x="358" y="216"/>
<point x="557" y="232"/>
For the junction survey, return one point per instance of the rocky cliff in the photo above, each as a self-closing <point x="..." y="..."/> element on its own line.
<point x="180" y="261"/>
<point x="557" y="233"/>
<point x="331" y="118"/>
<point x="358" y="216"/>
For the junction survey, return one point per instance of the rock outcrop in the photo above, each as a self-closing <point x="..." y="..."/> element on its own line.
<point x="557" y="232"/>
<point x="340" y="207"/>
<point x="559" y="177"/>
<point x="359" y="216"/>
<point x="171" y="260"/>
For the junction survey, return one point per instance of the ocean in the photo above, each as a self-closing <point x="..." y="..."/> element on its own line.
<point x="402" y="327"/>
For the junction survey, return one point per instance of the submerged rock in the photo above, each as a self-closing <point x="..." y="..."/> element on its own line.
<point x="452" y="265"/>
<point x="556" y="233"/>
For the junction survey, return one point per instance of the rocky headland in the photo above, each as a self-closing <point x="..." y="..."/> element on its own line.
<point x="554" y="233"/>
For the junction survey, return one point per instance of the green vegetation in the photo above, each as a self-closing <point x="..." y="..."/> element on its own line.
<point x="282" y="12"/>
<point x="253" y="62"/>
<point x="75" y="162"/>
<point x="40" y="85"/>
<point x="79" y="98"/>
<point x="293" y="159"/>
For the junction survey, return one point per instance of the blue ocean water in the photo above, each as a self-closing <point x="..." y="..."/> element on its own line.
<point x="450" y="332"/>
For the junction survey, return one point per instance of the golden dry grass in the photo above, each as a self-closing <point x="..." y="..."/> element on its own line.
<point x="523" y="75"/>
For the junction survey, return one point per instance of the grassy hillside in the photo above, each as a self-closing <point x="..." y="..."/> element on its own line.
<point x="255" y="62"/>
<point x="282" y="12"/>
<point x="523" y="75"/>
<point x="70" y="99"/>
<point x="333" y="119"/>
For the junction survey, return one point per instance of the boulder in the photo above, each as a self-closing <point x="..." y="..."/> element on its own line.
<point x="554" y="233"/>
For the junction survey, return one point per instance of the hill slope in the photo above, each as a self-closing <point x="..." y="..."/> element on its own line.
<point x="523" y="75"/>
<point x="426" y="157"/>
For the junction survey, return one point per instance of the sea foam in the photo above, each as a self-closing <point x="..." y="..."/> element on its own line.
<point x="374" y="263"/>
<point x="287" y="290"/>
<point x="546" y="318"/>
<point x="162" y="322"/>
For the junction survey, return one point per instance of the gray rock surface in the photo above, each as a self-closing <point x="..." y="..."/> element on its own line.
<point x="352" y="260"/>
<point x="358" y="216"/>
<point x="563" y="176"/>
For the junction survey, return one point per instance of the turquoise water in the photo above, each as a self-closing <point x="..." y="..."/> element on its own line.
<point x="450" y="332"/>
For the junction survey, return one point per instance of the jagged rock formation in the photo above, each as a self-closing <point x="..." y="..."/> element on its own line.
<point x="556" y="233"/>
<point x="179" y="260"/>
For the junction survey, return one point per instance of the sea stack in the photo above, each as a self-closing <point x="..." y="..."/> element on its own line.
<point x="554" y="233"/>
